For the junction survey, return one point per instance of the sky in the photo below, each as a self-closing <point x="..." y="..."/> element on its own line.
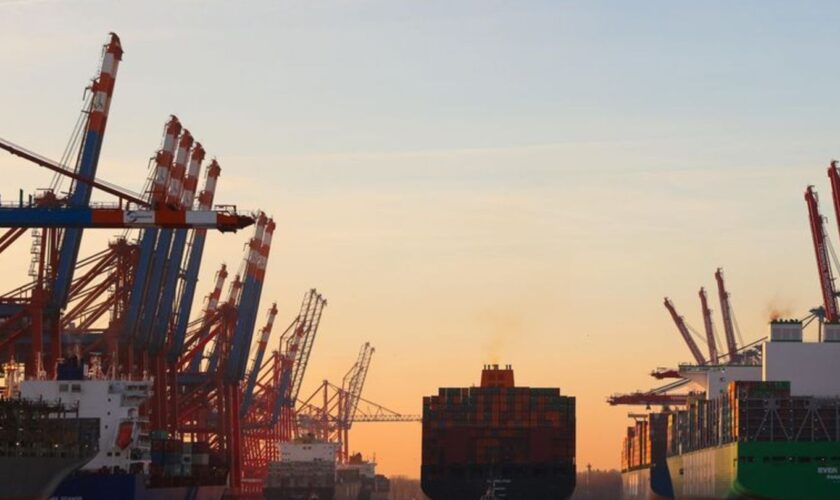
<point x="469" y="182"/>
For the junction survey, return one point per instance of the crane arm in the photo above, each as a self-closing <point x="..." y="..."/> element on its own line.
<point x="102" y="90"/>
<point x="821" y="252"/>
<point x="726" y="313"/>
<point x="709" y="327"/>
<point x="312" y="322"/>
<point x="251" y="381"/>
<point x="61" y="169"/>
<point x="354" y="382"/>
<point x="683" y="329"/>
<point x="117" y="218"/>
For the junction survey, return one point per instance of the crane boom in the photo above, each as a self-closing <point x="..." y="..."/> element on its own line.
<point x="683" y="329"/>
<point x="315" y="310"/>
<point x="151" y="340"/>
<point x="199" y="236"/>
<point x="251" y="381"/>
<point x="117" y="218"/>
<point x="61" y="169"/>
<point x="164" y="320"/>
<point x="710" y="329"/>
<point x="821" y="253"/>
<point x="248" y="304"/>
<point x="834" y="178"/>
<point x="102" y="90"/>
<point x="726" y="314"/>
<point x="148" y="238"/>
<point x="354" y="382"/>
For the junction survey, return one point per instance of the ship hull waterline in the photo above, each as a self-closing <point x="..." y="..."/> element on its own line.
<point x="760" y="470"/>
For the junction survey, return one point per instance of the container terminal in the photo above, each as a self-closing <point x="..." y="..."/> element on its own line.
<point x="113" y="386"/>
<point x="757" y="421"/>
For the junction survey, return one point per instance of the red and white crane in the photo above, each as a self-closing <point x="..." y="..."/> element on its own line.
<point x="683" y="329"/>
<point x="726" y="315"/>
<point x="709" y="327"/>
<point x="821" y="252"/>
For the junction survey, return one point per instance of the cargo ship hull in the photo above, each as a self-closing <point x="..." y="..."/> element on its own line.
<point x="23" y="479"/>
<point x="315" y="493"/>
<point x="472" y="482"/>
<point x="758" y="470"/>
<point x="647" y="483"/>
<point x="498" y="440"/>
<point x="130" y="487"/>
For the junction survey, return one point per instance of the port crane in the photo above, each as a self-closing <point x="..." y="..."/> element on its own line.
<point x="58" y="224"/>
<point x="330" y="411"/>
<point x="709" y="326"/>
<point x="820" y="242"/>
<point x="658" y="396"/>
<point x="271" y="415"/>
<point x="726" y="315"/>
<point x="686" y="335"/>
<point x="142" y="289"/>
<point x="143" y="285"/>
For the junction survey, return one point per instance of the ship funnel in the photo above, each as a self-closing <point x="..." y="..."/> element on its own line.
<point x="831" y="332"/>
<point x="787" y="330"/>
<point x="494" y="376"/>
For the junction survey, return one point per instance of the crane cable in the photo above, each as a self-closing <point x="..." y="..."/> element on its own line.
<point x="72" y="144"/>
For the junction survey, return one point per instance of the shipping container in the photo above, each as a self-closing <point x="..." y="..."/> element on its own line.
<point x="497" y="431"/>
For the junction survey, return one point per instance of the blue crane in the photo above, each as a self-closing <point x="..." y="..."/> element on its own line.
<point x="102" y="90"/>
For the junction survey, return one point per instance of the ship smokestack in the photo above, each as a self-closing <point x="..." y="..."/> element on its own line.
<point x="786" y="330"/>
<point x="495" y="376"/>
<point x="831" y="332"/>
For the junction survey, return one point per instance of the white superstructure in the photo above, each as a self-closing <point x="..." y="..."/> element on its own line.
<point x="308" y="451"/>
<point x="123" y="440"/>
<point x="812" y="368"/>
<point x="714" y="379"/>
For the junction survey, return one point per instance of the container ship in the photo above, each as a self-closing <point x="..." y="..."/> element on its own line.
<point x="498" y="439"/>
<point x="306" y="471"/>
<point x="108" y="451"/>
<point x="769" y="431"/>
<point x="644" y="467"/>
<point x="41" y="443"/>
<point x="357" y="480"/>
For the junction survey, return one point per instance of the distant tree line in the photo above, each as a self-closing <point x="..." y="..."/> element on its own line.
<point x="598" y="484"/>
<point x="404" y="488"/>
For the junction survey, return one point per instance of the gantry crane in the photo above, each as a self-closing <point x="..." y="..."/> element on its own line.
<point x="270" y="414"/>
<point x="351" y="385"/>
<point x="147" y="286"/>
<point x="259" y="355"/>
<point x="58" y="224"/>
<point x="330" y="411"/>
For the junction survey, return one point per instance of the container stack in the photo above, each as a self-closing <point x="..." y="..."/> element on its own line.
<point x="48" y="430"/>
<point x="752" y="411"/>
<point x="475" y="434"/>
<point x="495" y="425"/>
<point x="645" y="441"/>
<point x="175" y="461"/>
<point x="760" y="411"/>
